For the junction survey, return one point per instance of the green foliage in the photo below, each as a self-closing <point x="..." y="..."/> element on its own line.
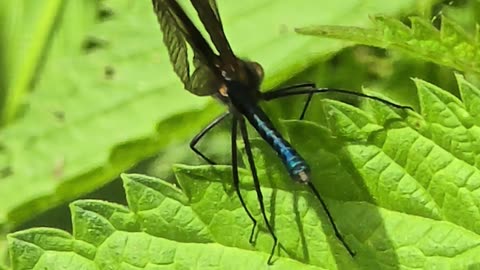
<point x="21" y="54"/>
<point x="450" y="46"/>
<point x="96" y="112"/>
<point x="402" y="188"/>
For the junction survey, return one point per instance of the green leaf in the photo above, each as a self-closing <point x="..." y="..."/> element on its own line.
<point x="19" y="69"/>
<point x="21" y="54"/>
<point x="107" y="236"/>
<point x="399" y="195"/>
<point x="452" y="126"/>
<point x="95" y="114"/>
<point x="55" y="249"/>
<point x="450" y="46"/>
<point x="392" y="240"/>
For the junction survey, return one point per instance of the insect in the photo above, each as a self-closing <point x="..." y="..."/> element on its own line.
<point x="236" y="83"/>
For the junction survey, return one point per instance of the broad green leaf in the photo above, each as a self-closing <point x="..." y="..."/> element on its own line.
<point x="17" y="69"/>
<point x="164" y="231"/>
<point x="400" y="197"/>
<point x="96" y="114"/>
<point x="428" y="166"/>
<point x="450" y="46"/>
<point x="394" y="240"/>
<point x="452" y="125"/>
<point x="25" y="31"/>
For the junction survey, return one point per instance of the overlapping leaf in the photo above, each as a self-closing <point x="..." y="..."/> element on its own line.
<point x="402" y="196"/>
<point x="450" y="46"/>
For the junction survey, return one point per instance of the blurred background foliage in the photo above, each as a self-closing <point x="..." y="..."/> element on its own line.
<point x="84" y="95"/>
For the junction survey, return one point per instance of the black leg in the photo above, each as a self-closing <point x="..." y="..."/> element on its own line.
<point x="202" y="133"/>
<point x="277" y="93"/>
<point x="302" y="91"/>
<point x="289" y="88"/>
<point x="305" y="107"/>
<point x="330" y="219"/>
<point x="256" y="182"/>
<point x="310" y="92"/>
<point x="236" y="181"/>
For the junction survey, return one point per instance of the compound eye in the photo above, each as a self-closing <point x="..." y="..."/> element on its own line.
<point x="257" y="68"/>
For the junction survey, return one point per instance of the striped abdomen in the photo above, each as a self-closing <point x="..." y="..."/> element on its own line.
<point x="296" y="166"/>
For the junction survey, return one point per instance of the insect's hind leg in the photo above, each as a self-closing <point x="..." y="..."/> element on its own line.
<point x="338" y="235"/>
<point x="236" y="180"/>
<point x="280" y="92"/>
<point x="310" y="89"/>
<point x="202" y="133"/>
<point x="256" y="182"/>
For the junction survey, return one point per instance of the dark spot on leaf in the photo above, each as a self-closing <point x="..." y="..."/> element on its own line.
<point x="5" y="172"/>
<point x="93" y="43"/>
<point x="104" y="13"/>
<point x="59" y="115"/>
<point x="109" y="72"/>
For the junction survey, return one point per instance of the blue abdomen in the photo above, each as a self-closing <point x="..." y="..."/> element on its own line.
<point x="296" y="166"/>
<point x="246" y="104"/>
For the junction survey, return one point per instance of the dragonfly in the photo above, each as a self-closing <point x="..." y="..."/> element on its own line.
<point x="235" y="82"/>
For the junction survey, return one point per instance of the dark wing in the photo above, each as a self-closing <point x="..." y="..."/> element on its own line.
<point x="208" y="13"/>
<point x="213" y="4"/>
<point x="178" y="31"/>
